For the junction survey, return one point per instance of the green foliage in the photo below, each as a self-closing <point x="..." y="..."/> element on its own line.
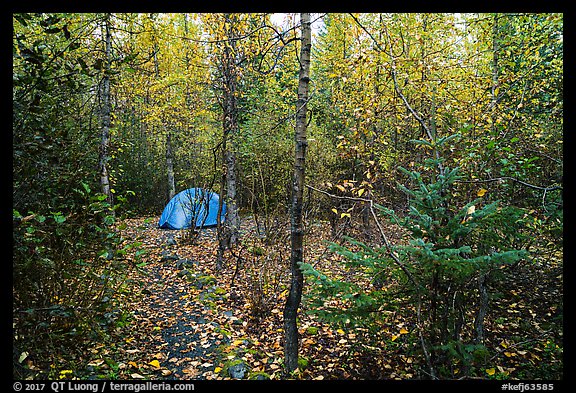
<point x="449" y="247"/>
<point x="68" y="273"/>
<point x="476" y="236"/>
<point x="465" y="355"/>
<point x="345" y="303"/>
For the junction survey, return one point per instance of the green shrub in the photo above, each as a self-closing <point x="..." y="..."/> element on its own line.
<point x="453" y="251"/>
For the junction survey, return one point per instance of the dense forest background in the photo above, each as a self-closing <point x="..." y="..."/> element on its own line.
<point x="434" y="164"/>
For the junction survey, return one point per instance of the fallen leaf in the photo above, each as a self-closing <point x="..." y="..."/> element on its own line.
<point x="191" y="371"/>
<point x="481" y="192"/>
<point x="490" y="371"/>
<point x="96" y="362"/>
<point x="403" y="331"/>
<point x="137" y="376"/>
<point x="155" y="363"/>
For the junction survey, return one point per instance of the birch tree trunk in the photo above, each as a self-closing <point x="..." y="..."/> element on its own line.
<point x="231" y="130"/>
<point x="105" y="113"/>
<point x="297" y="233"/>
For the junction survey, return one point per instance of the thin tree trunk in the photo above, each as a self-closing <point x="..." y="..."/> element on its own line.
<point x="483" y="308"/>
<point x="231" y="225"/>
<point x="105" y="114"/>
<point x="495" y="73"/>
<point x="232" y="218"/>
<point x="170" y="166"/>
<point x="297" y="233"/>
<point x="169" y="155"/>
<point x="228" y="231"/>
<point x="219" y="227"/>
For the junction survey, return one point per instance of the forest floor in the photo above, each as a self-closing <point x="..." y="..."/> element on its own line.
<point x="180" y="318"/>
<point x="190" y="321"/>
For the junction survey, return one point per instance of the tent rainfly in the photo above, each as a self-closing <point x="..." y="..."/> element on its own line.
<point x="194" y="206"/>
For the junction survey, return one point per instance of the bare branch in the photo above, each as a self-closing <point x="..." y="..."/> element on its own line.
<point x="545" y="189"/>
<point x="370" y="203"/>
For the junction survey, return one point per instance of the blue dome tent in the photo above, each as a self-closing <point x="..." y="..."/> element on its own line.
<point x="194" y="206"/>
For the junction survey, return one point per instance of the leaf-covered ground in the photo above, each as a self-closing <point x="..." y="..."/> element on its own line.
<point x="182" y="319"/>
<point x="183" y="322"/>
<point x="189" y="321"/>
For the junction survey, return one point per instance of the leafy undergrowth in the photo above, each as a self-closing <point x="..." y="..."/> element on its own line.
<point x="182" y="319"/>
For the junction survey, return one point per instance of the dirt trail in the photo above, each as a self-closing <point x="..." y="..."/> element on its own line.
<point x="175" y="332"/>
